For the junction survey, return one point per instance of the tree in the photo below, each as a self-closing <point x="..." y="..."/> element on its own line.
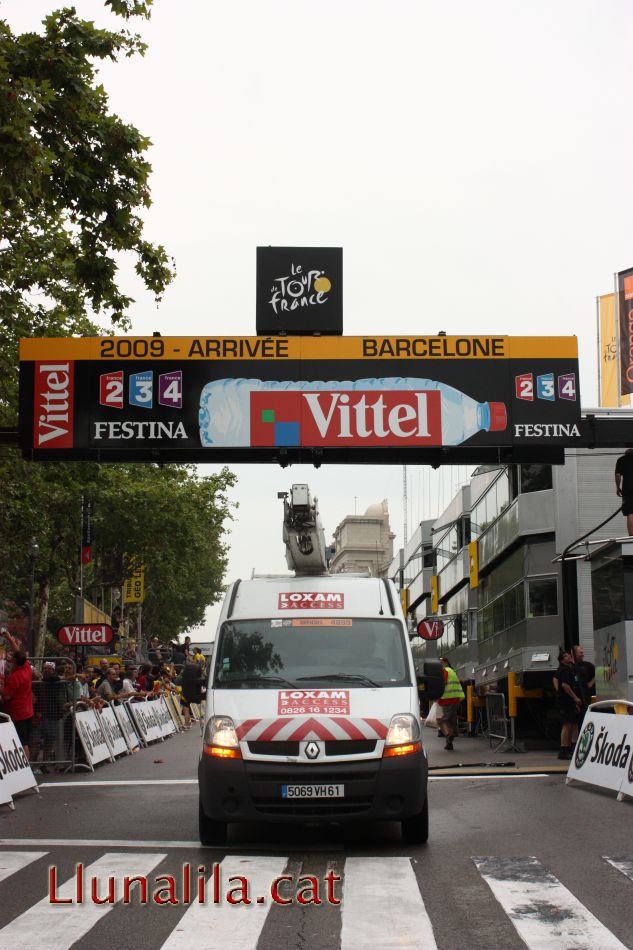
<point x="73" y="189"/>
<point x="73" y="185"/>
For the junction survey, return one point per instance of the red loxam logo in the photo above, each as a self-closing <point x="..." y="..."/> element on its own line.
<point x="53" y="406"/>
<point x="310" y="600"/>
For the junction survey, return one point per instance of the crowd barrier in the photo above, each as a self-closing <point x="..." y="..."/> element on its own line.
<point x="92" y="735"/>
<point x="603" y="754"/>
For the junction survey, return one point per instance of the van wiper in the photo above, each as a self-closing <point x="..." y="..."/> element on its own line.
<point x="254" y="678"/>
<point x="340" y="676"/>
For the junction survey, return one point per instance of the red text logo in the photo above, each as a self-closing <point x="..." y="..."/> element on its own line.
<point x="309" y="600"/>
<point x="53" y="408"/>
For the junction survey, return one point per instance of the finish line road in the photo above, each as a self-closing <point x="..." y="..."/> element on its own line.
<point x="511" y="862"/>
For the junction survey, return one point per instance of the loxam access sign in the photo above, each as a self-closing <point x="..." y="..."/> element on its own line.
<point x="288" y="399"/>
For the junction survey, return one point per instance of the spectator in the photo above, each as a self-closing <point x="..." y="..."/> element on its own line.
<point x="186" y="647"/>
<point x="449" y="703"/>
<point x="569" y="703"/>
<point x="146" y="680"/>
<point x="191" y="681"/>
<point x="102" y="674"/>
<point x="131" y="685"/>
<point x="17" y="695"/>
<point x="155" y="653"/>
<point x="177" y="657"/>
<point x="586" y="676"/>
<point x="106" y="689"/>
<point x="624" y="486"/>
<point x="50" y="703"/>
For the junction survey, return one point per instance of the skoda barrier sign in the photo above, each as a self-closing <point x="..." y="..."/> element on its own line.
<point x="379" y="399"/>
<point x="604" y="753"/>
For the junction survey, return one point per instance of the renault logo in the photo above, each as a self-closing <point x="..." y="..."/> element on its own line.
<point x="312" y="750"/>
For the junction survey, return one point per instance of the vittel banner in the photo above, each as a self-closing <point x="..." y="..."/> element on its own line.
<point x="241" y="399"/>
<point x="53" y="405"/>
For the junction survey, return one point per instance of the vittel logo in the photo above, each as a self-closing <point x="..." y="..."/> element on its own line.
<point x="53" y="405"/>
<point x="309" y="600"/>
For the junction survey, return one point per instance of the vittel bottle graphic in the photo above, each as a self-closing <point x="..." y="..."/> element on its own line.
<point x="397" y="411"/>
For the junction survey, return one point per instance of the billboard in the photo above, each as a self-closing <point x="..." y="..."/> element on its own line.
<point x="380" y="399"/>
<point x="625" y="316"/>
<point x="299" y="290"/>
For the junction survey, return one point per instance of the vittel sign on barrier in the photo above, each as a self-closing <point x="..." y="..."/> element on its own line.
<point x="85" y="634"/>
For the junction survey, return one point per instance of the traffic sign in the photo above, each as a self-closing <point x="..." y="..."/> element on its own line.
<point x="431" y="629"/>
<point x="85" y="634"/>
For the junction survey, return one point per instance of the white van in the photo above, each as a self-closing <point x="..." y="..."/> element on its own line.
<point x="312" y="709"/>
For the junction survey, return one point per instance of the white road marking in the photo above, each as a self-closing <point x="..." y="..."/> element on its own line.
<point x="211" y="926"/>
<point x="545" y="914"/>
<point x="96" y="843"/>
<point x="12" y="861"/>
<point x="153" y="781"/>
<point x="61" y="925"/>
<point x="624" y="864"/>
<point x="476" y="776"/>
<point x="382" y="906"/>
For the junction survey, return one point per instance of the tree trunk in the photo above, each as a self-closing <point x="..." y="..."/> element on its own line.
<point x="40" y="636"/>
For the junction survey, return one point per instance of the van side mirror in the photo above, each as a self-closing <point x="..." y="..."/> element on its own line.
<point x="431" y="679"/>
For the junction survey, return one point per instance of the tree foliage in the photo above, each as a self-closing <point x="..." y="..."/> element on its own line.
<point x="169" y="518"/>
<point x="74" y="186"/>
<point x="74" y="182"/>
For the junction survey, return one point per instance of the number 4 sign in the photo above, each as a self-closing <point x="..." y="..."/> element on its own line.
<point x="170" y="389"/>
<point x="567" y="386"/>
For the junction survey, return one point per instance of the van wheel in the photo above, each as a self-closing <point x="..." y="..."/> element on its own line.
<point x="210" y="832"/>
<point x="415" y="830"/>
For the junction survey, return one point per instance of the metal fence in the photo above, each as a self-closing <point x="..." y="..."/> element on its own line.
<point x="56" y="689"/>
<point x="498" y="723"/>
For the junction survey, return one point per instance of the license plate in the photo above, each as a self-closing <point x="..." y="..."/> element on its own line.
<point x="312" y="791"/>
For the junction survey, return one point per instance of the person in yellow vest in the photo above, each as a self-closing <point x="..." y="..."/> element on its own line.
<point x="449" y="703"/>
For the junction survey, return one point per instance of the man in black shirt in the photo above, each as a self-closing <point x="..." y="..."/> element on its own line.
<point x="586" y="676"/>
<point x="569" y="703"/>
<point x="624" y="486"/>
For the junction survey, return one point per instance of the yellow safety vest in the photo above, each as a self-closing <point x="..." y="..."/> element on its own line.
<point x="453" y="688"/>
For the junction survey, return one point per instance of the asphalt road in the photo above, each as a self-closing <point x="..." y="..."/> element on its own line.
<point x="557" y="860"/>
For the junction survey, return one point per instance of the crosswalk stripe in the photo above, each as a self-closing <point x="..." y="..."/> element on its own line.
<point x="545" y="914"/>
<point x="208" y="926"/>
<point x="624" y="864"/>
<point x="61" y="925"/>
<point x="12" y="861"/>
<point x="382" y="906"/>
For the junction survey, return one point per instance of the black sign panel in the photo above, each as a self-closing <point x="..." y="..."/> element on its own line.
<point x="299" y="290"/>
<point x="625" y="310"/>
<point x="424" y="400"/>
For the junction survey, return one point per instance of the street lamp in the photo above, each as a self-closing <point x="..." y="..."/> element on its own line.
<point x="33" y="553"/>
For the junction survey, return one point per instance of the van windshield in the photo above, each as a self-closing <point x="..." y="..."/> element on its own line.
<point x="272" y="653"/>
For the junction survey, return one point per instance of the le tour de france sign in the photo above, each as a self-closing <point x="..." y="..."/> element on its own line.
<point x="299" y="398"/>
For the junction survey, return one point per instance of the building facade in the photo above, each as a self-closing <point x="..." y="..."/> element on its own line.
<point x="364" y="543"/>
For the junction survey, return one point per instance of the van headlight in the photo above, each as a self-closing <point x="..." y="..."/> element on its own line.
<point x="403" y="737"/>
<point x="220" y="738"/>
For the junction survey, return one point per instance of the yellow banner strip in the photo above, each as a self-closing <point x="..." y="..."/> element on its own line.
<point x="181" y="348"/>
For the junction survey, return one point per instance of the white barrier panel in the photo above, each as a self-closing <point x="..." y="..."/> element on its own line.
<point x="146" y="720"/>
<point x="603" y="754"/>
<point x="112" y="731"/>
<point x="94" y="742"/>
<point x="15" y="771"/>
<point x="167" y="724"/>
<point x="173" y="704"/>
<point x="128" y="728"/>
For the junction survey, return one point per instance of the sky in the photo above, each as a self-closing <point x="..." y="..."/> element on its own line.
<point x="473" y="160"/>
